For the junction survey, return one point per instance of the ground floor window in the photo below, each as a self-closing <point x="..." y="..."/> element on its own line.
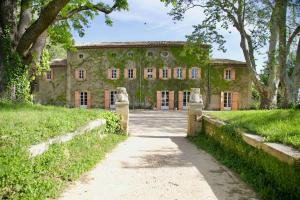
<point x="83" y="99"/>
<point x="165" y="100"/>
<point x="227" y="100"/>
<point x="186" y="98"/>
<point x="112" y="99"/>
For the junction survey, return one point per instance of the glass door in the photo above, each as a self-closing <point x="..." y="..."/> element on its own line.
<point x="112" y="99"/>
<point x="186" y="99"/>
<point x="165" y="100"/>
<point x="83" y="99"/>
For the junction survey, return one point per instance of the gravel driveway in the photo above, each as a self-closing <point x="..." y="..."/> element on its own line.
<point x="157" y="162"/>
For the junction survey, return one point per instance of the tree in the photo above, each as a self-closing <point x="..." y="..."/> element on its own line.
<point x="25" y="26"/>
<point x="259" y="23"/>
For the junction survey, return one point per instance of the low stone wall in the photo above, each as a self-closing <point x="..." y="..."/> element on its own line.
<point x="282" y="152"/>
<point x="40" y="148"/>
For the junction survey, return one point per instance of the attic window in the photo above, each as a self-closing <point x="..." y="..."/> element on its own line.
<point x="113" y="54"/>
<point x="164" y="54"/>
<point x="80" y="56"/>
<point x="150" y="54"/>
<point x="130" y="54"/>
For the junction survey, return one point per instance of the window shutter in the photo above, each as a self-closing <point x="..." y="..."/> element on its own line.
<point x="184" y="73"/>
<point x="77" y="99"/>
<point x="160" y="73"/>
<point x="134" y="73"/>
<point x="199" y="73"/>
<point x="118" y="73"/>
<point x="235" y="101"/>
<point x="145" y="73"/>
<point x="169" y="73"/>
<point x="233" y="74"/>
<point x="52" y="74"/>
<point x="180" y="100"/>
<point x="125" y="73"/>
<point x="222" y="101"/>
<point x="85" y="75"/>
<point x="190" y="73"/>
<point x="89" y="99"/>
<point x="76" y="74"/>
<point x="171" y="100"/>
<point x="153" y="73"/>
<point x="109" y="73"/>
<point x="106" y="99"/>
<point x="175" y="73"/>
<point x="158" y="100"/>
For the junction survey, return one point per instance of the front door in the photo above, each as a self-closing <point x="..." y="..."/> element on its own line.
<point x="165" y="100"/>
<point x="112" y="99"/>
<point x="186" y="99"/>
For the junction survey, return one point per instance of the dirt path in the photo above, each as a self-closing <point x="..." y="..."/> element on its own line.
<point x="157" y="162"/>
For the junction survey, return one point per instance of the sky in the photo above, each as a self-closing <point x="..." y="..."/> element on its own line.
<point x="148" y="20"/>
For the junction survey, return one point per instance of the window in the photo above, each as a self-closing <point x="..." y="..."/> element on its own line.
<point x="194" y="73"/>
<point x="179" y="73"/>
<point x="150" y="54"/>
<point x="227" y="100"/>
<point x="227" y="74"/>
<point x="186" y="99"/>
<point x="149" y="73"/>
<point x="113" y="73"/>
<point x="83" y="99"/>
<point x="49" y="75"/>
<point x="114" y="55"/>
<point x="130" y="73"/>
<point x="112" y="99"/>
<point x="164" y="54"/>
<point x="165" y="73"/>
<point x="80" y="56"/>
<point x="130" y="54"/>
<point x="81" y="74"/>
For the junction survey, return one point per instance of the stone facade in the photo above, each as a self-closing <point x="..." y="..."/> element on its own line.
<point x="157" y="75"/>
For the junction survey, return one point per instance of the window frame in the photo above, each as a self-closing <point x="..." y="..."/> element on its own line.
<point x="165" y="71"/>
<point x="164" y="56"/>
<point x="81" y="74"/>
<point x="150" y="52"/>
<point x="49" y="75"/>
<point x="83" y="99"/>
<point x="130" y="73"/>
<point x="195" y="72"/>
<point x="149" y="73"/>
<point x="179" y="73"/>
<point x="228" y="76"/>
<point x="227" y="100"/>
<point x="113" y="73"/>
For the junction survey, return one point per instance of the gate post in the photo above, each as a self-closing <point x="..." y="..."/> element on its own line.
<point x="195" y="106"/>
<point x="122" y="108"/>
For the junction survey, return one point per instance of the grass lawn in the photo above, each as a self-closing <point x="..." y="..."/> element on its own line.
<point x="46" y="175"/>
<point x="281" y="126"/>
<point x="31" y="124"/>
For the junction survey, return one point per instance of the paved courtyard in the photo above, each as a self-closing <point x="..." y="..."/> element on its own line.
<point x="157" y="162"/>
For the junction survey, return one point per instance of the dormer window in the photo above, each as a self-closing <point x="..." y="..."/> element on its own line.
<point x="164" y="54"/>
<point x="130" y="54"/>
<point x="150" y="54"/>
<point x="114" y="55"/>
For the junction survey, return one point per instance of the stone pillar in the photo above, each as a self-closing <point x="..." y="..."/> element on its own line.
<point x="195" y="107"/>
<point x="298" y="98"/>
<point x="122" y="108"/>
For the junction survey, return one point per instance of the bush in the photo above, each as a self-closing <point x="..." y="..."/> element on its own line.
<point x="271" y="178"/>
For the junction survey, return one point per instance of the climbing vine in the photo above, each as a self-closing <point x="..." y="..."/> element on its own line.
<point x="15" y="73"/>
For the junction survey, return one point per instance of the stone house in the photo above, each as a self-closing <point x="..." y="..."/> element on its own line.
<point x="157" y="75"/>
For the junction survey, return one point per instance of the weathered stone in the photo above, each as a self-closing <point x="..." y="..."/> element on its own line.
<point x="122" y="108"/>
<point x="122" y="95"/>
<point x="253" y="140"/>
<point x="195" y="112"/>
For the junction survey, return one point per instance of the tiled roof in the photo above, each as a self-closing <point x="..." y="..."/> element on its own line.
<point x="58" y="62"/>
<point x="132" y="44"/>
<point x="222" y="62"/>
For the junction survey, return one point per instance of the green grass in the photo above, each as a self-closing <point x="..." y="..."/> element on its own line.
<point x="270" y="178"/>
<point x="24" y="124"/>
<point x="46" y="175"/>
<point x="281" y="126"/>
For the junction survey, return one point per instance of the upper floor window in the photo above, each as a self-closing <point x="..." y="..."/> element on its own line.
<point x="130" y="54"/>
<point x="80" y="56"/>
<point x="149" y="73"/>
<point x="228" y="74"/>
<point x="194" y="73"/>
<point x="150" y="54"/>
<point x="165" y="73"/>
<point x="113" y="73"/>
<point x="49" y="75"/>
<point x="81" y="74"/>
<point x="164" y="54"/>
<point x="179" y="73"/>
<point x="130" y="73"/>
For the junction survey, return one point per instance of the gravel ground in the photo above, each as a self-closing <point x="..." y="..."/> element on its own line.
<point x="157" y="162"/>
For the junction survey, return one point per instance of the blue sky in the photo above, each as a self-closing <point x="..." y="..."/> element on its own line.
<point x="129" y="26"/>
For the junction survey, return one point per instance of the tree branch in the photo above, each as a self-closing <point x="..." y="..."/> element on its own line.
<point x="46" y="18"/>
<point x="97" y="7"/>
<point x="292" y="37"/>
<point x="25" y="17"/>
